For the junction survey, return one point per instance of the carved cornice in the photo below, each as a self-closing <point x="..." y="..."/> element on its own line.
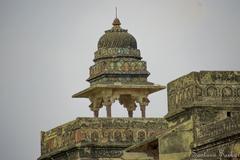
<point x="113" y="53"/>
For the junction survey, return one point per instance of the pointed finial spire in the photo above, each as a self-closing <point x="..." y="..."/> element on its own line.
<point x="116" y="21"/>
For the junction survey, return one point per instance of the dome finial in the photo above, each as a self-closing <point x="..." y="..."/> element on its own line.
<point x="116" y="21"/>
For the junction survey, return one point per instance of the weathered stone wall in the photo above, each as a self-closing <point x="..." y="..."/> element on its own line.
<point x="176" y="143"/>
<point x="220" y="139"/>
<point x="212" y="100"/>
<point x="148" y="147"/>
<point x="200" y="134"/>
<point x="204" y="88"/>
<point x="99" y="137"/>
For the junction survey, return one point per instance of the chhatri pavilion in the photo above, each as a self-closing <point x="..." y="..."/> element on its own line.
<point x="119" y="73"/>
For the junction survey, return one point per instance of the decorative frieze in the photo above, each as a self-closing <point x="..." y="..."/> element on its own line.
<point x="118" y="67"/>
<point x="205" y="88"/>
<point x="101" y="131"/>
<point x="219" y="77"/>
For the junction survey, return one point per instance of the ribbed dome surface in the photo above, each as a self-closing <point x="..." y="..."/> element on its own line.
<point x="117" y="38"/>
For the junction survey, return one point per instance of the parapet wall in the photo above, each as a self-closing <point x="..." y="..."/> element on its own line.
<point x="101" y="132"/>
<point x="204" y="88"/>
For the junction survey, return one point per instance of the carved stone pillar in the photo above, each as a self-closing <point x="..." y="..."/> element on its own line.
<point x="143" y="110"/>
<point x="109" y="111"/>
<point x="96" y="113"/>
<point x="95" y="105"/>
<point x="130" y="113"/>
<point x="107" y="101"/>
<point x="143" y="102"/>
<point x="128" y="102"/>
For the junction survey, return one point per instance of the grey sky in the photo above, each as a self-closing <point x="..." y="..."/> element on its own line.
<point x="47" y="46"/>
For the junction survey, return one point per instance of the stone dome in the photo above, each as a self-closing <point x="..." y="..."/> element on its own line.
<point x="117" y="37"/>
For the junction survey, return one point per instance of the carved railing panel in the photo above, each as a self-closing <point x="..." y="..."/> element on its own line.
<point x="218" y="130"/>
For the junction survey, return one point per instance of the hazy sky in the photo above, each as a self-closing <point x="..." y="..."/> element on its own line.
<point x="47" y="47"/>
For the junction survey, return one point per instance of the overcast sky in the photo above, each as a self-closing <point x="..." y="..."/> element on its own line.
<point x="47" y="47"/>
